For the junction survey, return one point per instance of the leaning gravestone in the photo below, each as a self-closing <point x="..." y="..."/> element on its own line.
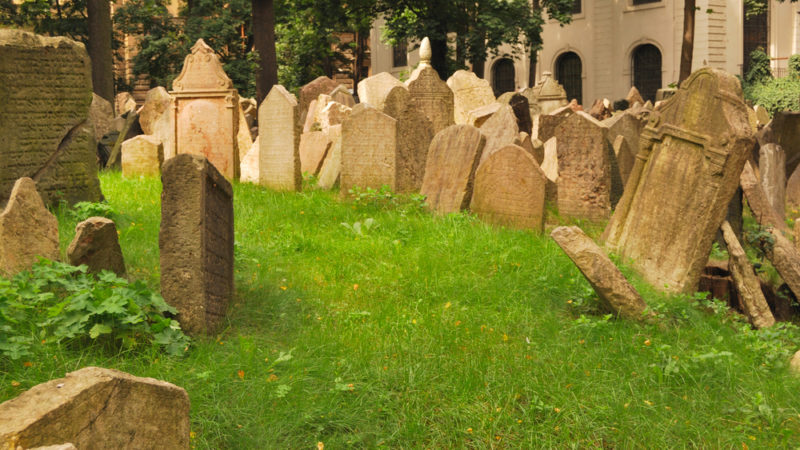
<point x="375" y="90"/>
<point x="196" y="242"/>
<point x="279" y="140"/>
<point x="793" y="190"/>
<point x="45" y="131"/>
<point x="477" y="117"/>
<point x="156" y="119"/>
<point x="314" y="146"/>
<point x="500" y="130"/>
<point x="626" y="125"/>
<point x="469" y="93"/>
<point x="102" y="114"/>
<point x="586" y="187"/>
<point x="142" y="155"/>
<point x="206" y="111"/>
<point x="453" y="158"/>
<point x="685" y="175"/>
<point x="312" y="90"/>
<point x="772" y="171"/>
<point x="429" y="94"/>
<point x="99" y="409"/>
<point x="414" y="136"/>
<point x="27" y="229"/>
<point x="369" y="150"/>
<point x="509" y="190"/>
<point x="341" y="95"/>
<point x="332" y="165"/>
<point x="96" y="244"/>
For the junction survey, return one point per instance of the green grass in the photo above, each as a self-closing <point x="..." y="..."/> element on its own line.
<point x="436" y="332"/>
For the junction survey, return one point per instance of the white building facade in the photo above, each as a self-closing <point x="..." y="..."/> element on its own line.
<point x="611" y="45"/>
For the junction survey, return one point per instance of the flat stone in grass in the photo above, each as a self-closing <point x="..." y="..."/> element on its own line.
<point x="142" y="155"/>
<point x="613" y="289"/>
<point x="99" y="409"/>
<point x="509" y="190"/>
<point x="27" y="229"/>
<point x="279" y="141"/>
<point x="453" y="158"/>
<point x="196" y="242"/>
<point x="96" y="244"/>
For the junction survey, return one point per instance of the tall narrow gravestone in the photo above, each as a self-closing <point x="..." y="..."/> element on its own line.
<point x="369" y="150"/>
<point x="684" y="177"/>
<point x="429" y="94"/>
<point x="45" y="134"/>
<point x="206" y="111"/>
<point x="279" y="141"/>
<point x="196" y="242"/>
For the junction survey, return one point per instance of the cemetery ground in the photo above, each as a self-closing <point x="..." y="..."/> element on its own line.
<point x="370" y="322"/>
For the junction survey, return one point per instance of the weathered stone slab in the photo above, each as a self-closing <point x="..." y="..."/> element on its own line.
<point x="27" y="229"/>
<point x="124" y="102"/>
<point x="762" y="116"/>
<point x="142" y="155"/>
<point x="793" y="190"/>
<point x="533" y="146"/>
<point x="429" y="94"/>
<point x="614" y="291"/>
<point x="332" y="165"/>
<point x="414" y="136"/>
<point x="249" y="166"/>
<point x="369" y="150"/>
<point x="332" y="114"/>
<point x="130" y="129"/>
<point x="156" y="118"/>
<point x="312" y="90"/>
<point x="375" y="90"/>
<point x="100" y="409"/>
<point x="244" y="140"/>
<point x="549" y="95"/>
<point x="684" y="177"/>
<point x="96" y="244"/>
<point x="206" y="111"/>
<point x="625" y="157"/>
<point x="752" y="299"/>
<point x="196" y="242"/>
<point x="510" y="189"/>
<point x="342" y="96"/>
<point x="45" y="131"/>
<point x="757" y="199"/>
<point x="785" y="258"/>
<point x="586" y="187"/>
<point x="469" y="93"/>
<point x="634" y="97"/>
<point x="629" y="126"/>
<point x="477" y="117"/>
<point x="601" y="109"/>
<point x="102" y="114"/>
<point x="500" y="130"/>
<point x="772" y="171"/>
<point x="314" y="146"/>
<point x="279" y="141"/>
<point x="453" y="158"/>
<point x="544" y="126"/>
<point x="784" y="130"/>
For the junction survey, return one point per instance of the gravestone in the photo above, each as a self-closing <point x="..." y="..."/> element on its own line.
<point x="332" y="165"/>
<point x="784" y="130"/>
<point x="586" y="187"/>
<point x="244" y="140"/>
<point x="544" y="125"/>
<point x="453" y="158"/>
<point x="747" y="283"/>
<point x="156" y="119"/>
<point x="99" y="409"/>
<point x="772" y="171"/>
<point x="534" y="147"/>
<point x="196" y="242"/>
<point x="369" y="150"/>
<point x="634" y="97"/>
<point x="601" y="109"/>
<point x="414" y="136"/>
<point x="96" y="244"/>
<point x="793" y="190"/>
<point x="500" y="130"/>
<point x="249" y="166"/>
<point x="142" y="155"/>
<point x="685" y="175"/>
<point x="332" y="114"/>
<point x="469" y="93"/>
<point x="342" y="96"/>
<point x="101" y="113"/>
<point x="124" y="102"/>
<point x="206" y="112"/>
<point x="477" y="117"/>
<point x="279" y="141"/>
<point x="27" y="230"/>
<point x="758" y="201"/>
<point x="510" y="189"/>
<point x="550" y="169"/>
<point x="45" y="131"/>
<point x="625" y="157"/>
<point x="314" y="146"/>
<point x="376" y="89"/>
<point x="312" y="90"/>
<point x="627" y="125"/>
<point x="429" y="94"/>
<point x="762" y="116"/>
<point x="548" y="94"/>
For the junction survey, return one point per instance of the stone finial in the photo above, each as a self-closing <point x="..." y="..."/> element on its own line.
<point x="425" y="53"/>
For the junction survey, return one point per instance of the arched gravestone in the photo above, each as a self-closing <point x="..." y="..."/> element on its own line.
<point x="374" y="90"/>
<point x="469" y="93"/>
<point x="509" y="190"/>
<point x="684" y="177"/>
<point x="45" y="134"/>
<point x="453" y="157"/>
<point x="279" y="141"/>
<point x="206" y="111"/>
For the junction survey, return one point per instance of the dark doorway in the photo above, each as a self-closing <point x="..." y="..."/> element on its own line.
<point x="503" y="76"/>
<point x="569" y="73"/>
<point x="754" y="35"/>
<point x="647" y="70"/>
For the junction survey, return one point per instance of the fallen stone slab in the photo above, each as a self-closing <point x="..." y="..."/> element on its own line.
<point x="785" y="258"/>
<point x="99" y="409"/>
<point x="752" y="299"/>
<point x="616" y="294"/>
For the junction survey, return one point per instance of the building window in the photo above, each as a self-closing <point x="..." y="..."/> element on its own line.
<point x="646" y="61"/>
<point x="569" y="73"/>
<point x="576" y="7"/>
<point x="755" y="35"/>
<point x="503" y="76"/>
<point x="644" y="2"/>
<point x="400" y="55"/>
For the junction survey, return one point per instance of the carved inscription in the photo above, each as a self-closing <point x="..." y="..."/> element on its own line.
<point x="279" y="136"/>
<point x="369" y="147"/>
<point x="431" y="96"/>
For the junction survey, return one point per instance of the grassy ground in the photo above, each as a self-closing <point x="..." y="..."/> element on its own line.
<point x="437" y="332"/>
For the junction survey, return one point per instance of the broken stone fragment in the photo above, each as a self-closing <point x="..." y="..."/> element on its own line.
<point x="96" y="244"/>
<point x="752" y="299"/>
<point x="27" y="229"/>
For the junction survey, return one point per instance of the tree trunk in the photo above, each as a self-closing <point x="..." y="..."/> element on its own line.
<point x="99" y="23"/>
<point x="264" y="43"/>
<point x="532" y="67"/>
<point x="687" y="49"/>
<point x="439" y="57"/>
<point x="361" y="43"/>
<point x="478" y="67"/>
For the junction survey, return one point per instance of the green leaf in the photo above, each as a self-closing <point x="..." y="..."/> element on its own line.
<point x="99" y="329"/>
